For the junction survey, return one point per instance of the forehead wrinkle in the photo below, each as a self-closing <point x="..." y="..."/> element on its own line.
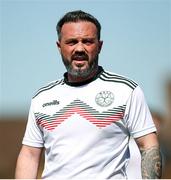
<point x="79" y="30"/>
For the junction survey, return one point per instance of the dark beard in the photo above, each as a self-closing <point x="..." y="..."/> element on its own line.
<point x="79" y="72"/>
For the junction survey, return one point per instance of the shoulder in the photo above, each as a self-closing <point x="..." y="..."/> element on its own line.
<point x="118" y="79"/>
<point x="48" y="87"/>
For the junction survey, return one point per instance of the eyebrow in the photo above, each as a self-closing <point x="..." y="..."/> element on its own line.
<point x="83" y="39"/>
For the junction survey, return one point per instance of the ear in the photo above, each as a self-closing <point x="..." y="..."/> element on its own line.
<point x="100" y="45"/>
<point x="58" y="45"/>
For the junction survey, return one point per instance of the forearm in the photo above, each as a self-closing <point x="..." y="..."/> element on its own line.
<point x="26" y="168"/>
<point x="151" y="164"/>
<point x="27" y="165"/>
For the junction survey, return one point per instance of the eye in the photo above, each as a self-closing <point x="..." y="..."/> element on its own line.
<point x="71" y="42"/>
<point x="88" y="41"/>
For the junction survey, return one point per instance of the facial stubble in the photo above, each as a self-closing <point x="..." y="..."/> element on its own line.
<point x="79" y="72"/>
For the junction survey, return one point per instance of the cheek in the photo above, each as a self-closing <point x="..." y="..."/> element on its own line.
<point x="65" y="51"/>
<point x="94" y="52"/>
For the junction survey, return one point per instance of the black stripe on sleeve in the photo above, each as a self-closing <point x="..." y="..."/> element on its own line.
<point x="49" y="86"/>
<point x="119" y="79"/>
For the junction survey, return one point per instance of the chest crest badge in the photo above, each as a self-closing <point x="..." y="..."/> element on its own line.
<point x="104" y="98"/>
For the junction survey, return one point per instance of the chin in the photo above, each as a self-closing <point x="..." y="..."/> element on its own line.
<point x="80" y="68"/>
<point x="82" y="72"/>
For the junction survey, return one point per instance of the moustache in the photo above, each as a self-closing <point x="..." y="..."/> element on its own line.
<point x="79" y="56"/>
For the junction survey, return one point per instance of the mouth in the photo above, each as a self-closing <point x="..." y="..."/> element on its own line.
<point x="80" y="58"/>
<point x="79" y="63"/>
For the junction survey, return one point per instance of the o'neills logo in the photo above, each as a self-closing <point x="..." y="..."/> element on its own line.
<point x="54" y="102"/>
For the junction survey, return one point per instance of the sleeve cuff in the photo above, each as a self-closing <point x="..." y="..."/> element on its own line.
<point x="143" y="132"/>
<point x="31" y="143"/>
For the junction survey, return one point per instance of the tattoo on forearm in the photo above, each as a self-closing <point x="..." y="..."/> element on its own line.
<point x="151" y="163"/>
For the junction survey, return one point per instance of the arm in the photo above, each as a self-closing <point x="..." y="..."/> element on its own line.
<point x="28" y="162"/>
<point x="151" y="166"/>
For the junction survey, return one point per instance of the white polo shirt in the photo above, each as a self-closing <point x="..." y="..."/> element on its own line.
<point x="85" y="127"/>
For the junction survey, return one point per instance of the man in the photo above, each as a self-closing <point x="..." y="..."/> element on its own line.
<point x="84" y="120"/>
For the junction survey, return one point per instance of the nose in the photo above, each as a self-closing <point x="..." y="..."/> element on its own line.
<point x="79" y="47"/>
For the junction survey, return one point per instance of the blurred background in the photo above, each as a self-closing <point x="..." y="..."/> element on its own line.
<point x="137" y="44"/>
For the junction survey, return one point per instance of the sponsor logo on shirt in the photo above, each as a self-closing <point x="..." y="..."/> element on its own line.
<point x="54" y="102"/>
<point x="104" y="98"/>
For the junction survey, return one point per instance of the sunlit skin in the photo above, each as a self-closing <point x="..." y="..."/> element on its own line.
<point x="79" y="47"/>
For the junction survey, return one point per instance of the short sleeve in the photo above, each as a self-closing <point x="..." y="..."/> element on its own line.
<point x="138" y="117"/>
<point x="33" y="135"/>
